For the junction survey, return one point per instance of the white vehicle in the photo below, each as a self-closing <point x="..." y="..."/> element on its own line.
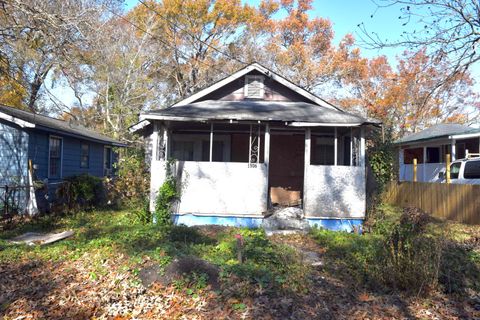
<point x="463" y="171"/>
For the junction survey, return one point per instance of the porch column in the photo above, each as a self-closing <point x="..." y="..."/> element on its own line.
<point x="166" y="144"/>
<point x="401" y="164"/>
<point x="454" y="150"/>
<point x="351" y="146"/>
<point x="211" y="142"/>
<point x="266" y="160"/>
<point x="308" y="135"/>
<point x="154" y="142"/>
<point x="424" y="164"/>
<point x="362" y="147"/>
<point x="335" y="148"/>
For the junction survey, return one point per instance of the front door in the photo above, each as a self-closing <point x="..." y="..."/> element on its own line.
<point x="286" y="168"/>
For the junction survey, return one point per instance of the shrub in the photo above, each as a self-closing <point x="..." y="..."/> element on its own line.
<point x="167" y="195"/>
<point x="131" y="185"/>
<point x="398" y="255"/>
<point x="81" y="192"/>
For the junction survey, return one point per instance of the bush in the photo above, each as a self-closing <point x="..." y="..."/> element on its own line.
<point x="131" y="185"/>
<point x="81" y="192"/>
<point x="167" y="195"/>
<point x="398" y="255"/>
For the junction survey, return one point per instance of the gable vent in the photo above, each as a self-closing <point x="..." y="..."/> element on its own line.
<point x="254" y="87"/>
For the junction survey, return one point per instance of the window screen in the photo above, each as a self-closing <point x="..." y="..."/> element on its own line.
<point x="433" y="155"/>
<point x="84" y="155"/>
<point x="472" y="170"/>
<point x="55" y="156"/>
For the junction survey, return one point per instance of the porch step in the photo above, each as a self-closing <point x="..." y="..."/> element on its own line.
<point x="288" y="219"/>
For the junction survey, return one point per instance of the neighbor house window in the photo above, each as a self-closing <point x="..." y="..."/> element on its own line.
<point x="84" y="155"/>
<point x="55" y="157"/>
<point x="107" y="160"/>
<point x="433" y="155"/>
<point x="254" y="87"/>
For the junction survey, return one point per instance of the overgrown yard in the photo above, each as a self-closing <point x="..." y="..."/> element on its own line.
<point x="117" y="268"/>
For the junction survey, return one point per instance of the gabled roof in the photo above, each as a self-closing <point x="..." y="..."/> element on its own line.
<point x="248" y="110"/>
<point x="256" y="66"/>
<point x="443" y="130"/>
<point x="27" y="119"/>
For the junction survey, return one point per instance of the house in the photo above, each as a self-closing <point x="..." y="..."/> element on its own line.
<point x="255" y="140"/>
<point x="430" y="147"/>
<point x="55" y="149"/>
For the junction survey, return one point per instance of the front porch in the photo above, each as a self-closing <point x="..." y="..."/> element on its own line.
<point x="233" y="173"/>
<point x="431" y="156"/>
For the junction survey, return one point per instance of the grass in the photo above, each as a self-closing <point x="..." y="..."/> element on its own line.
<point x="391" y="257"/>
<point x="103" y="234"/>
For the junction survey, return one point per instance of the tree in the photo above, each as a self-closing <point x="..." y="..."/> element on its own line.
<point x="410" y="99"/>
<point x="38" y="38"/>
<point x="450" y="29"/>
<point x="195" y="36"/>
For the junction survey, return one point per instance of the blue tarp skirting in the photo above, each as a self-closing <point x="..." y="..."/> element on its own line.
<point x="254" y="222"/>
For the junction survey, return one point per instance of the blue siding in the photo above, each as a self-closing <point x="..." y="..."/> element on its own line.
<point x="71" y="155"/>
<point x="13" y="161"/>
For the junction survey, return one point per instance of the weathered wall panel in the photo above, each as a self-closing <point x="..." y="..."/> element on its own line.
<point x="335" y="191"/>
<point x="217" y="188"/>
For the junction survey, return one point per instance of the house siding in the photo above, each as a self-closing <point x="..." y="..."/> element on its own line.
<point x="13" y="161"/>
<point x="71" y="152"/>
<point x="273" y="91"/>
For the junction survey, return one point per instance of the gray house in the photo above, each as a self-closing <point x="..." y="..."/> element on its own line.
<point x="430" y="146"/>
<point x="55" y="149"/>
<point x="255" y="140"/>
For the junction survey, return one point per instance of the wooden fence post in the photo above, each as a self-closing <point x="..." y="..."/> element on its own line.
<point x="415" y="170"/>
<point x="447" y="171"/>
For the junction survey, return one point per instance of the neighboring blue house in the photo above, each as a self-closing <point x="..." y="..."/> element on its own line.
<point x="57" y="149"/>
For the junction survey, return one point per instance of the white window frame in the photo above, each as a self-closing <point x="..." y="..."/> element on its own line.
<point x="60" y="176"/>
<point x="109" y="172"/>
<point x="262" y="89"/>
<point x="88" y="155"/>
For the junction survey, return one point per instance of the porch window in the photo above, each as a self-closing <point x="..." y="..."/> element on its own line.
<point x="413" y="153"/>
<point x="183" y="150"/>
<point x="55" y="157"/>
<point x="323" y="150"/>
<point x="433" y="155"/>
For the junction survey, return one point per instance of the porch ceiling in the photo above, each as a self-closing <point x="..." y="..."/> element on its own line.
<point x="256" y="111"/>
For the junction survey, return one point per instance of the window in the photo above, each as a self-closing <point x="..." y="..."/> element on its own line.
<point x="107" y="160"/>
<point x="323" y="151"/>
<point x="217" y="151"/>
<point x="460" y="151"/>
<point x="55" y="157"/>
<point x="433" y="155"/>
<point x="254" y="87"/>
<point x="84" y="155"/>
<point x="472" y="170"/>
<point x="413" y="153"/>
<point x="183" y="150"/>
<point x="455" y="170"/>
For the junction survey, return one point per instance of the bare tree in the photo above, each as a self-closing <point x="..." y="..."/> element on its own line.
<point x="38" y="38"/>
<point x="449" y="29"/>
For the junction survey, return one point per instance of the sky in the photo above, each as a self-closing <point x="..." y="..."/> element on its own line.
<point x="345" y="16"/>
